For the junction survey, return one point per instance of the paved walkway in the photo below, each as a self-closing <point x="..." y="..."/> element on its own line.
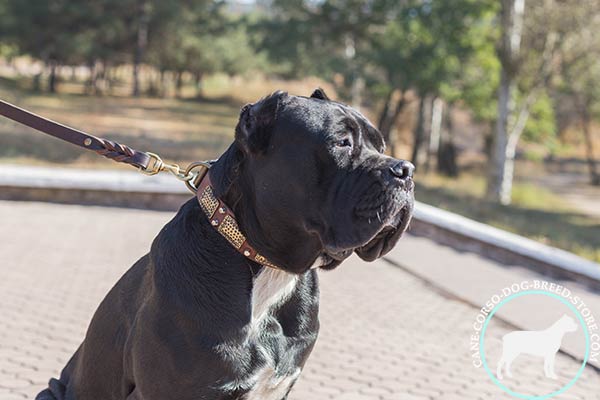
<point x="475" y="279"/>
<point x="385" y="333"/>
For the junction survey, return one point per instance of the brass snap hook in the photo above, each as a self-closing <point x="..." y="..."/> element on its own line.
<point x="196" y="177"/>
<point x="191" y="177"/>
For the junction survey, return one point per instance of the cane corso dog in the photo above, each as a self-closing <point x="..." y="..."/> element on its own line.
<point x="309" y="184"/>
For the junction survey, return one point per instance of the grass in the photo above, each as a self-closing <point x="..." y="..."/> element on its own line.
<point x="535" y="212"/>
<point x="177" y="129"/>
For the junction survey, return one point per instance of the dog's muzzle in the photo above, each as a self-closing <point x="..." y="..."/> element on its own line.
<point x="389" y="204"/>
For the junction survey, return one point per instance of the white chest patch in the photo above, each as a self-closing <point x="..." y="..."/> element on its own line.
<point x="270" y="387"/>
<point x="270" y="289"/>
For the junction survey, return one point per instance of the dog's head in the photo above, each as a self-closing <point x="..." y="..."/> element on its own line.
<point x="309" y="182"/>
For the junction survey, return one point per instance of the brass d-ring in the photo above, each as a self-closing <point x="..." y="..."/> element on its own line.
<point x="193" y="183"/>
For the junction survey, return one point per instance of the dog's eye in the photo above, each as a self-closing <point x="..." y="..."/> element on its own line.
<point x="344" y="143"/>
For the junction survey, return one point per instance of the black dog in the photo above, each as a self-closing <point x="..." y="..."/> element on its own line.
<point x="309" y="184"/>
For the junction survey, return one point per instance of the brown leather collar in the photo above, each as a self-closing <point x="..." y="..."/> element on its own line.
<point x="223" y="220"/>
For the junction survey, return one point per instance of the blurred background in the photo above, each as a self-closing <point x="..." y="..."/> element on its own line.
<point x="496" y="102"/>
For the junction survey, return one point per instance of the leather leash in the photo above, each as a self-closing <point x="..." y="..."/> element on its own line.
<point x="106" y="148"/>
<point x="195" y="176"/>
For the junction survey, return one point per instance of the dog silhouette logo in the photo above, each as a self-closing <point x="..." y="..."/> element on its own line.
<point x="544" y="343"/>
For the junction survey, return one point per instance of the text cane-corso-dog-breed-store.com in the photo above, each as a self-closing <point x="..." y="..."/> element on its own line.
<point x="225" y="304"/>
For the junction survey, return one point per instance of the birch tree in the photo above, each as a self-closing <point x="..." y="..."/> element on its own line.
<point x="534" y="37"/>
<point x="502" y="163"/>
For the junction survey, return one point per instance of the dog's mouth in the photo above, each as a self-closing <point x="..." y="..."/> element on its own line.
<point x="330" y="260"/>
<point x="386" y="238"/>
<point x="380" y="244"/>
<point x="392" y="208"/>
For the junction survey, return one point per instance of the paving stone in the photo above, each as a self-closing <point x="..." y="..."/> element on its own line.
<point x="376" y="391"/>
<point x="385" y="334"/>
<point x="5" y="394"/>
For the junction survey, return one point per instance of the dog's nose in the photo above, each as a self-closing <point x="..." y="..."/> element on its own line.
<point x="403" y="169"/>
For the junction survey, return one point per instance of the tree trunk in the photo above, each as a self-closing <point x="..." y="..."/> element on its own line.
<point x="198" y="80"/>
<point x="37" y="82"/>
<point x="140" y="44"/>
<point x="136" y="76"/>
<point x="499" y="186"/>
<point x="163" y="90"/>
<point x="101" y="79"/>
<point x="93" y="81"/>
<point x="437" y="110"/>
<point x="419" y="150"/>
<point x="446" y="156"/>
<point x="358" y="85"/>
<point x="488" y="141"/>
<point x="110" y="77"/>
<point x="178" y="84"/>
<point x="589" y="145"/>
<point x="383" y="116"/>
<point x="390" y="119"/>
<point x="52" y="77"/>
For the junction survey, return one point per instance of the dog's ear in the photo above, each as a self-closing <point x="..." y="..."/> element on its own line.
<point x="319" y="94"/>
<point x="254" y="127"/>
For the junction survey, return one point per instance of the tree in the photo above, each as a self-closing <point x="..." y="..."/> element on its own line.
<point x="200" y="41"/>
<point x="476" y="84"/>
<point x="49" y="31"/>
<point x="525" y="76"/>
<point x="332" y="39"/>
<point x="419" y="52"/>
<point x="511" y="17"/>
<point x="580" y="76"/>
<point x="398" y="48"/>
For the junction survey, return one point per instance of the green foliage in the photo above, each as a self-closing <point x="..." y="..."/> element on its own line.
<point x="8" y="51"/>
<point x="477" y="81"/>
<point x="541" y="125"/>
<point x="418" y="44"/>
<point x="42" y="29"/>
<point x="193" y="36"/>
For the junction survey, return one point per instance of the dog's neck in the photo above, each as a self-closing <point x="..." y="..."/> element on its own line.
<point x="190" y="258"/>
<point x="293" y="252"/>
<point x="223" y="219"/>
